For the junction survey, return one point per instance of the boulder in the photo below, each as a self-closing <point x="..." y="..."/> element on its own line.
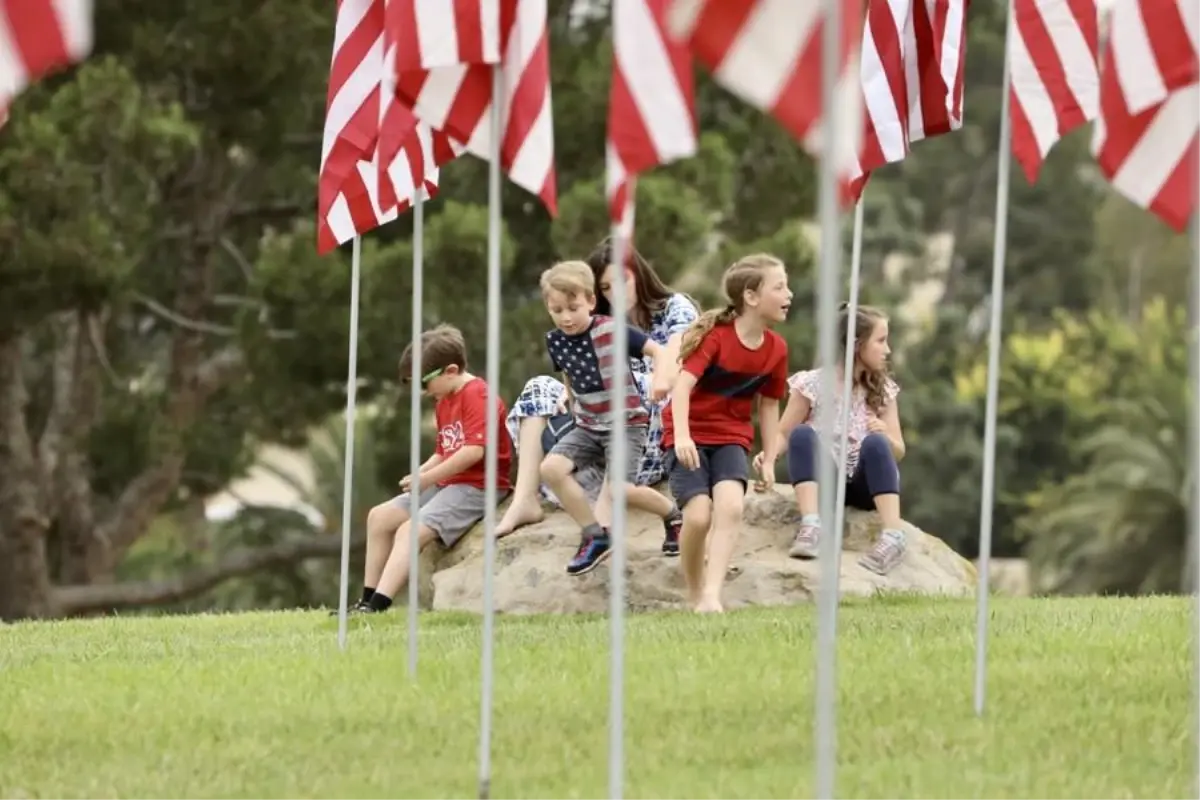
<point x="531" y="566"/>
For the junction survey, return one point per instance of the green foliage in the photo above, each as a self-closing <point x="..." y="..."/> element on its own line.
<point x="1117" y="521"/>
<point x="89" y="160"/>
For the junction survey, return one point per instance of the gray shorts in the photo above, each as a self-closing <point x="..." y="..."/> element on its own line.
<point x="585" y="448"/>
<point x="450" y="511"/>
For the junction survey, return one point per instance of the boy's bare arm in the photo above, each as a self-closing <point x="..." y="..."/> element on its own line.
<point x="462" y="460"/>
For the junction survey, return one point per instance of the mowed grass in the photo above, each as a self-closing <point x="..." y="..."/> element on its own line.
<point x="1087" y="698"/>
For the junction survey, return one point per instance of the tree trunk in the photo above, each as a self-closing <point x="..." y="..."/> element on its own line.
<point x="25" y="589"/>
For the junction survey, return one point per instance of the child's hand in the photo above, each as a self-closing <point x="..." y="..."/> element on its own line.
<point x="660" y="388"/>
<point x="686" y="454"/>
<point x="561" y="406"/>
<point x="766" y="473"/>
<point x="875" y="425"/>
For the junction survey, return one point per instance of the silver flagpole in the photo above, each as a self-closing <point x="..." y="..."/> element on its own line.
<point x="414" y="426"/>
<point x="1194" y="438"/>
<point x="493" y="434"/>
<point x="848" y="372"/>
<point x="617" y="469"/>
<point x="348" y="464"/>
<point x="827" y="293"/>
<point x="988" y="493"/>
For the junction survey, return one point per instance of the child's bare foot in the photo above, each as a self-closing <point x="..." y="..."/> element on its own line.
<point x="519" y="515"/>
<point x="709" y="606"/>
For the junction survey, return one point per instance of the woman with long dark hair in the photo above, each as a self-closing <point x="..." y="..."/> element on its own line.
<point x="539" y="416"/>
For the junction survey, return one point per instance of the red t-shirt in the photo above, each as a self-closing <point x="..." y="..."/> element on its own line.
<point x="462" y="421"/>
<point x="728" y="376"/>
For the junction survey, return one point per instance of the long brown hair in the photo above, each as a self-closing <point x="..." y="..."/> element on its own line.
<point x="745" y="275"/>
<point x="652" y="293"/>
<point x="873" y="381"/>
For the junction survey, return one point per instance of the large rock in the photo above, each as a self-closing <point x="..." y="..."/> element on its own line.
<point x="531" y="575"/>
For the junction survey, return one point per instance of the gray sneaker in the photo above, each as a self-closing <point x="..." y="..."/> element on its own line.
<point x="808" y="537"/>
<point x="886" y="553"/>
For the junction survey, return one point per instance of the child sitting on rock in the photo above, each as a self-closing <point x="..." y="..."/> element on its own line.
<point x="874" y="444"/>
<point x="581" y="347"/>
<point x="451" y="481"/>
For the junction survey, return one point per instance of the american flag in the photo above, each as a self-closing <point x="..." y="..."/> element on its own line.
<point x="913" y="58"/>
<point x="1053" y="52"/>
<point x="444" y="66"/>
<point x="1146" y="134"/>
<point x="38" y="37"/>
<point x="361" y="187"/>
<point x="768" y="52"/>
<point x="651" y="117"/>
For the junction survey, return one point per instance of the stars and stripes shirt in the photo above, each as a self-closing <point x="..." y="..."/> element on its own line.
<point x="587" y="361"/>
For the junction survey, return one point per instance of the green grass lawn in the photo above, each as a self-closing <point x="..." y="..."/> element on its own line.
<point x="1087" y="698"/>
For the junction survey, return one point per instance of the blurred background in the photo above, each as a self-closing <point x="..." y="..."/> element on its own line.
<point x="173" y="352"/>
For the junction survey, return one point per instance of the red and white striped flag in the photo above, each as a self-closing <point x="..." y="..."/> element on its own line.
<point x="1053" y="53"/>
<point x="410" y="151"/>
<point x="361" y="186"/>
<point x="768" y="52"/>
<point x="651" y="114"/>
<point x="38" y="37"/>
<point x="1146" y="134"/>
<point x="913" y="57"/>
<point x="445" y="54"/>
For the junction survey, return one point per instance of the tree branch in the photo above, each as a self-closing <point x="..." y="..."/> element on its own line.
<point x="114" y="597"/>
<point x="198" y="326"/>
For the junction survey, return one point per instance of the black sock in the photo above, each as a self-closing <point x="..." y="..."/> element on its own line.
<point x="594" y="531"/>
<point x="380" y="602"/>
<point x="367" y="594"/>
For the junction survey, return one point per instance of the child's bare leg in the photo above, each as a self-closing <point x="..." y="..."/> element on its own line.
<point x="644" y="498"/>
<point x="382" y="522"/>
<point x="697" y="519"/>
<point x="888" y="506"/>
<point x="395" y="572"/>
<point x="728" y="497"/>
<point x="556" y="472"/>
<point x="806" y="498"/>
<point x="526" y="506"/>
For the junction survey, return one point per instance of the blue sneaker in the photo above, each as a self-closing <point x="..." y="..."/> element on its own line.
<point x="591" y="552"/>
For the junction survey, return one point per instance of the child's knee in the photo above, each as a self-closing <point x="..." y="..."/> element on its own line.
<point x="697" y="513"/>
<point x="386" y="516"/>
<point x="876" y="445"/>
<point x="802" y="438"/>
<point x="555" y="469"/>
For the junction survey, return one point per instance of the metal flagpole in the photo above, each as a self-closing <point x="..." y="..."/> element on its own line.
<point x="493" y="434"/>
<point x="848" y="372"/>
<point x="827" y="292"/>
<point x="616" y="570"/>
<point x="1194" y="456"/>
<point x="988" y="492"/>
<point x="414" y="426"/>
<point x="348" y="464"/>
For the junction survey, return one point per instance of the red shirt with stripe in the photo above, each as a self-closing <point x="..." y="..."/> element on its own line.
<point x="729" y="375"/>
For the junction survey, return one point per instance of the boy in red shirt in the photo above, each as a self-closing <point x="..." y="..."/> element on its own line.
<point x="732" y="360"/>
<point x="451" y="480"/>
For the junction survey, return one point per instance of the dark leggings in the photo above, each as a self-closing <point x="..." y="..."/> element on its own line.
<point x="876" y="473"/>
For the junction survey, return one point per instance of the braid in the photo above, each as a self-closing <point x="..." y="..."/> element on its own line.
<point x="703" y="326"/>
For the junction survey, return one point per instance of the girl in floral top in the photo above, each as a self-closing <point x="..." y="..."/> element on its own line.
<point x="539" y="416"/>
<point x="875" y="442"/>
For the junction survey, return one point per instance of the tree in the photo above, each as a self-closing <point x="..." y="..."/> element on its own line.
<point x="1118" y="523"/>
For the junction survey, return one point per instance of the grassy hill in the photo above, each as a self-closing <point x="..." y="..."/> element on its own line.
<point x="1088" y="697"/>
